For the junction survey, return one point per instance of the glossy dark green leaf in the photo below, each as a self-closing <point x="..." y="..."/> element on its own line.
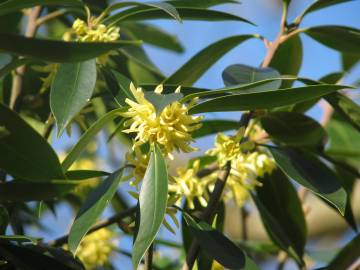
<point x="216" y="244"/>
<point x="85" y="174"/>
<point x="288" y="58"/>
<point x="71" y="90"/>
<point x="17" y="5"/>
<point x="320" y="4"/>
<point x="275" y="230"/>
<point x="347" y="256"/>
<point x="21" y="191"/>
<point x="349" y="61"/>
<point x="264" y="100"/>
<point x="214" y="126"/>
<point x="118" y="85"/>
<point x="92" y="208"/>
<point x="160" y="101"/>
<point x="192" y="70"/>
<point x="89" y="135"/>
<point x="280" y="199"/>
<point x="30" y="257"/>
<point x="153" y="202"/>
<point x="346" y="108"/>
<point x="341" y="38"/>
<point x="242" y="74"/>
<point x="310" y="172"/>
<point x="44" y="49"/>
<point x="165" y="7"/>
<point x="147" y="32"/>
<point x="293" y="129"/>
<point x="186" y="13"/>
<point x="24" y="153"/>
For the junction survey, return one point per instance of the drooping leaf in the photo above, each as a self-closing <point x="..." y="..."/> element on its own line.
<point x="21" y="191"/>
<point x="88" y="136"/>
<point x="165" y="7"/>
<point x="310" y="172"/>
<point x="347" y="256"/>
<point x="341" y="38"/>
<point x="281" y="201"/>
<point x="293" y="129"/>
<point x="160" y="101"/>
<point x="17" y="5"/>
<point x="72" y="88"/>
<point x="44" y="49"/>
<point x="242" y="74"/>
<point x="320" y="4"/>
<point x="214" y="126"/>
<point x="186" y="13"/>
<point x="346" y="108"/>
<point x="216" y="244"/>
<point x="24" y="153"/>
<point x="153" y="201"/>
<point x="192" y="70"/>
<point x="92" y="208"/>
<point x="264" y="100"/>
<point x="118" y="85"/>
<point x="147" y="32"/>
<point x="288" y="58"/>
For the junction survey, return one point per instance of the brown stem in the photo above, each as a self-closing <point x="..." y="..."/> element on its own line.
<point x="149" y="257"/>
<point x="20" y="71"/>
<point x="244" y="230"/>
<point x="102" y="224"/>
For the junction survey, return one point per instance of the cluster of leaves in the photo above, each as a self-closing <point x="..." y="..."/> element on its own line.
<point x="92" y="96"/>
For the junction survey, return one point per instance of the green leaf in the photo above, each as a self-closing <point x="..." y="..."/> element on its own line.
<point x="118" y="85"/>
<point x="264" y="100"/>
<point x="192" y="70"/>
<point x="160" y="101"/>
<point x="320" y="4"/>
<point x="4" y="219"/>
<point x="5" y="70"/>
<point x="347" y="256"/>
<point x="31" y="257"/>
<point x="71" y="90"/>
<point x="24" y="153"/>
<point x="153" y="201"/>
<point x="242" y="74"/>
<point x="216" y="244"/>
<point x="186" y="13"/>
<point x="346" y="108"/>
<point x="44" y="49"/>
<point x="88" y="136"/>
<point x="214" y="126"/>
<point x="281" y="201"/>
<point x="85" y="174"/>
<point x="310" y="172"/>
<point x="165" y="7"/>
<point x="349" y="61"/>
<point x="341" y="38"/>
<point x="201" y="3"/>
<point x="19" y="238"/>
<point x="170" y="88"/>
<point x="16" y="5"/>
<point x="293" y="129"/>
<point x="147" y="32"/>
<point x="92" y="208"/>
<point x="21" y="191"/>
<point x="288" y="58"/>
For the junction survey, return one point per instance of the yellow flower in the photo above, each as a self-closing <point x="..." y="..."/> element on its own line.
<point x="171" y="128"/>
<point x="96" y="248"/>
<point x="94" y="32"/>
<point x="187" y="184"/>
<point x="139" y="161"/>
<point x="228" y="148"/>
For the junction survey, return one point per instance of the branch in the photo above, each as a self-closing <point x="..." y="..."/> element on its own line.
<point x="102" y="224"/>
<point x="149" y="258"/>
<point x="20" y="71"/>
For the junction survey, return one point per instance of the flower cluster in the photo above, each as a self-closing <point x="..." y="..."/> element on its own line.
<point x="247" y="165"/>
<point x="94" y="31"/>
<point x="187" y="184"/>
<point x="96" y="248"/>
<point x="171" y="128"/>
